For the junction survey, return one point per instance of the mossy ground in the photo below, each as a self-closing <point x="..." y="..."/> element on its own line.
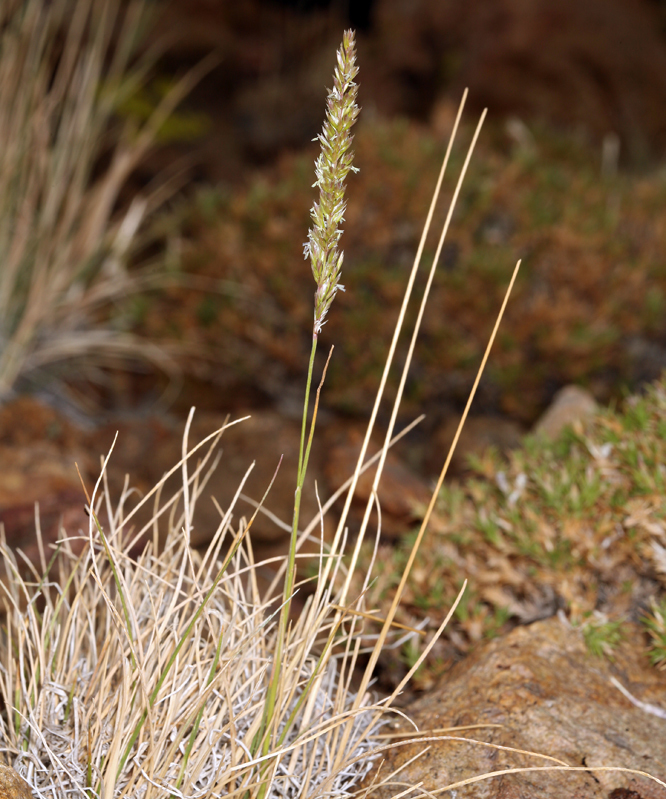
<point x="576" y="525"/>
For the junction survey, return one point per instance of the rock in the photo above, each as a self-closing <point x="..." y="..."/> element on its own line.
<point x="265" y="437"/>
<point x="38" y="450"/>
<point x="479" y="433"/>
<point x="12" y="786"/>
<point x="25" y="421"/>
<point x="549" y="695"/>
<point x="39" y="447"/>
<point x="58" y="511"/>
<point x="571" y="406"/>
<point x="30" y="473"/>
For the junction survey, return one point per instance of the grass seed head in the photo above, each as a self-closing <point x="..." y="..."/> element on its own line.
<point x="332" y="167"/>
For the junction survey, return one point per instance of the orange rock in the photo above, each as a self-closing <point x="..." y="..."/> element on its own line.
<point x="479" y="433"/>
<point x="12" y="786"/>
<point x="540" y="690"/>
<point x="38" y="450"/>
<point x="401" y="492"/>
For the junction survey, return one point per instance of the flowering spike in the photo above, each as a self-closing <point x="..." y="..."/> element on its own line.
<point x="331" y="168"/>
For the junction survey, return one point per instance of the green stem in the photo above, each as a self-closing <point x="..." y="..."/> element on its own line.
<point x="303" y="457"/>
<point x="263" y="737"/>
<point x="197" y="723"/>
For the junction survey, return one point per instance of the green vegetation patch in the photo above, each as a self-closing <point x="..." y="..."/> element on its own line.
<point x="576" y="525"/>
<point x="593" y="278"/>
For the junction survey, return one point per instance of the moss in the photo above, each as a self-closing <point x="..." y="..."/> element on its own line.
<point x="566" y="523"/>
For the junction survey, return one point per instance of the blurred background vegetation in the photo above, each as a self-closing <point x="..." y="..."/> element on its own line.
<point x="569" y="177"/>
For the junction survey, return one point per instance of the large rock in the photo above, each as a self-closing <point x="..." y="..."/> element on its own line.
<point x="551" y="696"/>
<point x="478" y="434"/>
<point x="12" y="786"/>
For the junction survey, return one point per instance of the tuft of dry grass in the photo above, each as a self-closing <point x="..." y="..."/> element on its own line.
<point x="130" y="678"/>
<point x="65" y="231"/>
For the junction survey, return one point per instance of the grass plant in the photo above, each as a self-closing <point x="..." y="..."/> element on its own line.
<point x="171" y="674"/>
<point x="656" y="625"/>
<point x="332" y="168"/>
<point x="602" y="636"/>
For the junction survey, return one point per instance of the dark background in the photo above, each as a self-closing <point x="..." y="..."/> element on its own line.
<point x="588" y="66"/>
<point x="576" y="94"/>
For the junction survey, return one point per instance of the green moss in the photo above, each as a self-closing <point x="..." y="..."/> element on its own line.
<point x="601" y="637"/>
<point x="564" y="517"/>
<point x="497" y="622"/>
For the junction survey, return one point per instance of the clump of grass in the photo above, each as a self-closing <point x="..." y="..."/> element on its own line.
<point x="127" y="677"/>
<point x="66" y="235"/>
<point x="601" y="635"/>
<point x="139" y="677"/>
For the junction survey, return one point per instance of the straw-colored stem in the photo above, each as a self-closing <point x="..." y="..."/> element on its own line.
<point x="426" y="519"/>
